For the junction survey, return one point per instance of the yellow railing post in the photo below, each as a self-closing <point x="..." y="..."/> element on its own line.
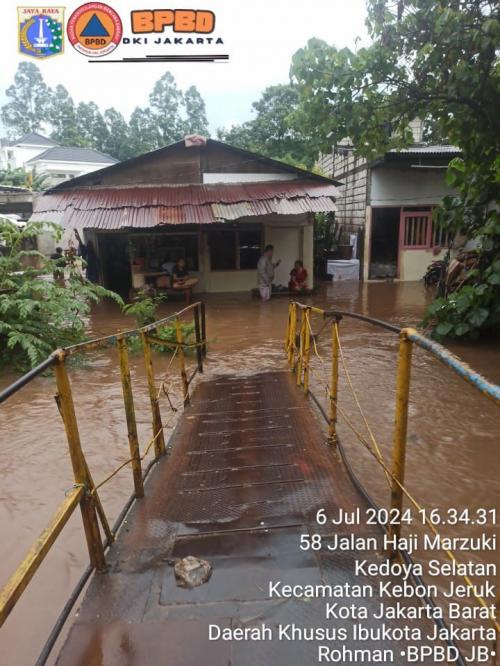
<point x="334" y="384"/>
<point x="287" y="330"/>
<point x="153" y="397"/>
<point x="80" y="469"/>
<point x="18" y="582"/>
<point x="292" y="335"/>
<point x="182" y="360"/>
<point x="198" y="338"/>
<point x="99" y="508"/>
<point x="288" y="334"/>
<point x="128" y="401"/>
<point x="203" y="329"/>
<point x="307" y="348"/>
<point x="400" y="428"/>
<point x="300" y="360"/>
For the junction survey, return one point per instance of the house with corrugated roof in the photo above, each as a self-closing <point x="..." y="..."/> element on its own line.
<point x="388" y="202"/>
<point x="15" y="202"/>
<point x="34" y="151"/>
<point x="213" y="204"/>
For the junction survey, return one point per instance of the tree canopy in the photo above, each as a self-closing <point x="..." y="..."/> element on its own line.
<point x="19" y="177"/>
<point x="28" y="100"/>
<point x="428" y="58"/>
<point x="271" y="132"/>
<point x="196" y="116"/>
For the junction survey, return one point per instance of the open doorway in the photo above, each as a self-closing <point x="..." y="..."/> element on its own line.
<point x="384" y="243"/>
<point x="115" y="262"/>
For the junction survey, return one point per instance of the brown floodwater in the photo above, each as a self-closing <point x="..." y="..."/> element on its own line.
<point x="453" y="436"/>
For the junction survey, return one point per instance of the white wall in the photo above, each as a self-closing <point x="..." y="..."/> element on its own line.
<point x="286" y="241"/>
<point x="246" y="177"/>
<point x="291" y="242"/>
<point x="292" y="237"/>
<point x="408" y="187"/>
<point x="21" y="155"/>
<point x="414" y="263"/>
<point x="69" y="169"/>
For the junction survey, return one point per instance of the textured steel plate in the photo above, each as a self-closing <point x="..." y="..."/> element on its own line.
<point x="243" y="564"/>
<point x="238" y="489"/>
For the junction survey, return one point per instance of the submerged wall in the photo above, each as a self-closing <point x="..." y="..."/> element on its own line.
<point x="292" y="237"/>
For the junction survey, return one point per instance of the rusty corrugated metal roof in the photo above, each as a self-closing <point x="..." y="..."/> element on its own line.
<point x="111" y="208"/>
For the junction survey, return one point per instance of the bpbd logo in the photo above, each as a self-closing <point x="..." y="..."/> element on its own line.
<point x="41" y="31"/>
<point x="95" y="29"/>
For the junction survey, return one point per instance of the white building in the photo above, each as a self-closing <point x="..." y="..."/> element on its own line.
<point x="36" y="152"/>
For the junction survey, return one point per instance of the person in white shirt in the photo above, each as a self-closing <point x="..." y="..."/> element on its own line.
<point x="265" y="272"/>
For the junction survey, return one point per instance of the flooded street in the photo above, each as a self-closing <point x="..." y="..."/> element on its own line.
<point x="452" y="453"/>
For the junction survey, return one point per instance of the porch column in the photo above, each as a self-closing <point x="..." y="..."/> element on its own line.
<point x="367" y="244"/>
<point x="307" y="238"/>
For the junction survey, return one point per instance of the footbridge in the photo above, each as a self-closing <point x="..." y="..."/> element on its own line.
<point x="253" y="482"/>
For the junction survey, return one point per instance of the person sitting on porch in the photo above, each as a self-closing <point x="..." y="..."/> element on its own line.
<point x="180" y="276"/>
<point x="265" y="272"/>
<point x="179" y="273"/>
<point x="298" y="277"/>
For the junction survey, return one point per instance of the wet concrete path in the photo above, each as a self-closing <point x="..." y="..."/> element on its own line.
<point x="247" y="472"/>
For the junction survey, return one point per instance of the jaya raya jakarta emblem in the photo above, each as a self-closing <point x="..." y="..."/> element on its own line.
<point x="41" y="31"/>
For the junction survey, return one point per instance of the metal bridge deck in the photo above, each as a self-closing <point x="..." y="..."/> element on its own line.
<point x="247" y="472"/>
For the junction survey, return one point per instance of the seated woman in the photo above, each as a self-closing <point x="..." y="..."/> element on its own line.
<point x="298" y="277"/>
<point x="180" y="276"/>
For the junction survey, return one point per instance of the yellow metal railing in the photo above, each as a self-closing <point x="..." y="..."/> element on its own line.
<point x="84" y="492"/>
<point x="298" y="338"/>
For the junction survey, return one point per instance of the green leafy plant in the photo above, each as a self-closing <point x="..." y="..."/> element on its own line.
<point x="470" y="310"/>
<point x="31" y="180"/>
<point x="144" y="309"/>
<point x="37" y="313"/>
<point x="169" y="334"/>
<point x="474" y="308"/>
